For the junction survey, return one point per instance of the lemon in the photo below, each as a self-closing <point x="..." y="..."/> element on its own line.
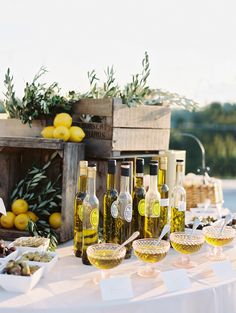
<point x="7" y="221"/>
<point x="33" y="217"/>
<point x="55" y="220"/>
<point x="21" y="221"/>
<point x="47" y="132"/>
<point x="63" y="119"/>
<point x="76" y="134"/>
<point x="61" y="132"/>
<point x="19" y="206"/>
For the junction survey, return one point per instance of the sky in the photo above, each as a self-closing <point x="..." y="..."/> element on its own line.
<point x="191" y="44"/>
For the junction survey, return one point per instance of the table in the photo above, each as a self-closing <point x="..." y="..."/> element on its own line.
<point x="69" y="288"/>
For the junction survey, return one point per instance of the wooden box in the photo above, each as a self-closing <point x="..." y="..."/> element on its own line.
<point x="123" y="129"/>
<point x="11" y="127"/>
<point x="17" y="155"/>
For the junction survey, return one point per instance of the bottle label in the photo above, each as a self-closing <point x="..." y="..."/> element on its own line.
<point x="141" y="207"/>
<point x="114" y="209"/>
<point x="181" y="206"/>
<point x="164" y="202"/>
<point x="128" y="213"/>
<point x="80" y="211"/>
<point x="156" y="209"/>
<point x="94" y="217"/>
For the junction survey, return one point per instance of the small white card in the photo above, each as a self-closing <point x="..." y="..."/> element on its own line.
<point x="223" y="269"/>
<point x="176" y="280"/>
<point x="116" y="288"/>
<point x="2" y="207"/>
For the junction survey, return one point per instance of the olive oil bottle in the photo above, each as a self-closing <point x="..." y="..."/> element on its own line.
<point x="78" y="212"/>
<point x="109" y="203"/>
<point x="139" y="199"/>
<point x="152" y="205"/>
<point x="178" y="201"/>
<point x="90" y="214"/>
<point x="164" y="192"/>
<point x="122" y="212"/>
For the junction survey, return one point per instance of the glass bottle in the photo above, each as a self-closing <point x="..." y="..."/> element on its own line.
<point x="178" y="200"/>
<point x="139" y="198"/>
<point x="123" y="210"/>
<point x="90" y="214"/>
<point x="78" y="212"/>
<point x="164" y="192"/>
<point x="109" y="198"/>
<point x="152" y="205"/>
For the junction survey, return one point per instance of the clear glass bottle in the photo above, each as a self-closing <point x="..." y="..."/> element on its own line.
<point x="139" y="199"/>
<point x="90" y="214"/>
<point x="164" y="192"/>
<point x="109" y="198"/>
<point x="178" y="200"/>
<point x="152" y="205"/>
<point x="123" y="210"/>
<point x="78" y="208"/>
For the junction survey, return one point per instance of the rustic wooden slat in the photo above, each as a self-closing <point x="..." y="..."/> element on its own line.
<point x="141" y="116"/>
<point x="5" y="177"/>
<point x="97" y="148"/>
<point x="98" y="107"/>
<point x="31" y="142"/>
<point x="95" y="130"/>
<point x="12" y="234"/>
<point x="128" y="139"/>
<point x="15" y="128"/>
<point x="73" y="153"/>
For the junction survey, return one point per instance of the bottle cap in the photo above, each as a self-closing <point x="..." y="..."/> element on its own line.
<point x="125" y="170"/>
<point x="153" y="169"/>
<point x="153" y="162"/>
<point x="139" y="165"/>
<point x="179" y="161"/>
<point x="92" y="165"/>
<point x="163" y="162"/>
<point x="83" y="164"/>
<point x="111" y="166"/>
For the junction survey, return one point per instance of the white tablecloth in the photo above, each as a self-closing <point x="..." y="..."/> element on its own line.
<point x="69" y="288"/>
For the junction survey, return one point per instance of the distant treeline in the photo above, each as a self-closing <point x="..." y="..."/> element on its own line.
<point x="215" y="126"/>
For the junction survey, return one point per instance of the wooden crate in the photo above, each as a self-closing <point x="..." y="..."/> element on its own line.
<point x="11" y="127"/>
<point x="123" y="130"/>
<point x="17" y="155"/>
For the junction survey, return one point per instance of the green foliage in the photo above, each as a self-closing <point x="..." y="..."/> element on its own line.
<point x="215" y="126"/>
<point x="43" y="197"/>
<point x="39" y="100"/>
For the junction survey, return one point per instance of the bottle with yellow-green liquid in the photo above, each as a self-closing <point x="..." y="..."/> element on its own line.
<point x="164" y="192"/>
<point x="152" y="205"/>
<point x="178" y="200"/>
<point x="90" y="214"/>
<point x="109" y="202"/>
<point x="78" y="213"/>
<point x="122" y="210"/>
<point x="139" y="199"/>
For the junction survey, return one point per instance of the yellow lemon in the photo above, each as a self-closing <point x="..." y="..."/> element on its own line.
<point x="33" y="217"/>
<point x="21" y="221"/>
<point x="55" y="220"/>
<point x="47" y="132"/>
<point x="8" y="220"/>
<point x="63" y="119"/>
<point x="19" y="206"/>
<point x="61" y="132"/>
<point x="76" y="134"/>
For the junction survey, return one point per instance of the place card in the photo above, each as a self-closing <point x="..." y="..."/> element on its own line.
<point x="176" y="280"/>
<point x="2" y="207"/>
<point x="223" y="269"/>
<point x="116" y="288"/>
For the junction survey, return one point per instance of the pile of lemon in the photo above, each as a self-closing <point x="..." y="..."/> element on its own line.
<point x="62" y="129"/>
<point x="20" y="216"/>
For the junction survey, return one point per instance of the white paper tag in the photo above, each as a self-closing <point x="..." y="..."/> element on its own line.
<point x="182" y="206"/>
<point x="116" y="288"/>
<point x="2" y="207"/>
<point x="128" y="213"/>
<point x="114" y="209"/>
<point x="164" y="202"/>
<point x="176" y="280"/>
<point x="223" y="269"/>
